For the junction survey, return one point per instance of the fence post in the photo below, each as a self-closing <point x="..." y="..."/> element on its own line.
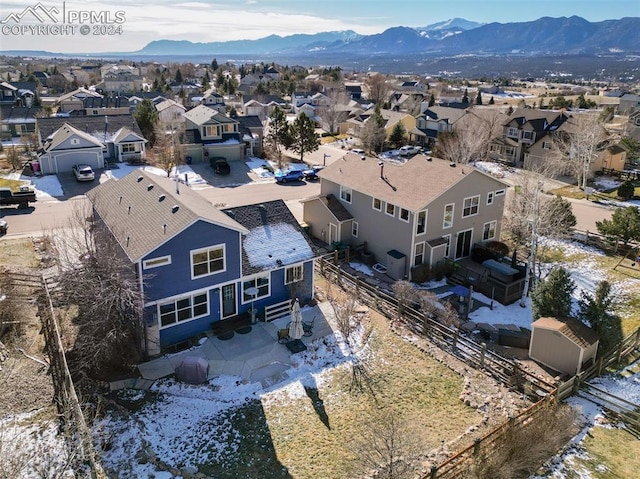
<point x="454" y="345"/>
<point x="347" y="254"/>
<point x="482" y="353"/>
<point x="619" y="353"/>
<point x="322" y="266"/>
<point x="476" y="446"/>
<point x="335" y="257"/>
<point x="599" y="365"/>
<point x="576" y="384"/>
<point x="434" y="472"/>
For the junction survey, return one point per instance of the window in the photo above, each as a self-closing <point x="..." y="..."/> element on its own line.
<point x="509" y="151"/>
<point x="212" y="130"/>
<point x="75" y="141"/>
<point x="345" y="194"/>
<point x="489" y="230"/>
<point x="155" y="262"/>
<point x="512" y="132"/>
<point x="447" y="248"/>
<point x="447" y="221"/>
<point x="390" y="209"/>
<point x="546" y="145"/>
<point x="418" y="257"/>
<point x="261" y="284"/>
<point x="490" y="196"/>
<point x="377" y="204"/>
<point x="207" y="261"/>
<point x="421" y="224"/>
<point x="354" y="229"/>
<point x="183" y="309"/>
<point x="499" y="192"/>
<point x="470" y="206"/>
<point x="129" y="148"/>
<point x="404" y="215"/>
<point x="293" y="274"/>
<point x="527" y="135"/>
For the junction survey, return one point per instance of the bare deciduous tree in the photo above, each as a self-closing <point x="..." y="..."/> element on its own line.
<point x="387" y="445"/>
<point x="470" y="139"/>
<point x="377" y="89"/>
<point x="95" y="276"/>
<point x="168" y="151"/>
<point x="334" y="111"/>
<point x="577" y="144"/>
<point x="405" y="293"/>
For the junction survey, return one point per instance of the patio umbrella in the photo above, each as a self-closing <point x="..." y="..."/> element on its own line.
<point x="295" y="328"/>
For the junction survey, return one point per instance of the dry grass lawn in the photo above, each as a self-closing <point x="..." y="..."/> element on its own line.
<point x="615" y="453"/>
<point x="408" y="384"/>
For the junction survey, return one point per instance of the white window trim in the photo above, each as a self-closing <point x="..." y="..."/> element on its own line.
<point x="477" y="206"/>
<point x="156" y="262"/>
<point x="408" y="215"/>
<point x="499" y="192"/>
<point x="355" y="229"/>
<point x="415" y="253"/>
<point x="373" y="204"/>
<point x="495" y="226"/>
<point x="299" y="265"/>
<point x="347" y="192"/>
<point x="199" y="250"/>
<point x="175" y="301"/>
<point x="444" y="217"/>
<point x="426" y="218"/>
<point x="394" y="210"/>
<point x="490" y="196"/>
<point x="244" y="280"/>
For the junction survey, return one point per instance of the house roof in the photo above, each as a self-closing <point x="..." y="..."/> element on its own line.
<point x="125" y="135"/>
<point x="168" y="103"/>
<point x="411" y="185"/>
<point x="274" y="237"/>
<point x="65" y="132"/>
<point x="615" y="149"/>
<point x="451" y="115"/>
<point x="337" y="209"/>
<point x="203" y="114"/>
<point x="94" y="125"/>
<point x="572" y="328"/>
<point x="134" y="210"/>
<point x="249" y="121"/>
<point x="18" y="114"/>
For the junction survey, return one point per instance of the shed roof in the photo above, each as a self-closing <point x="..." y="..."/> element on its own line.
<point x="572" y="328"/>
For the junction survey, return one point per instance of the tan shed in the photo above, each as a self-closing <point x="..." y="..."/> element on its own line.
<point x="564" y="344"/>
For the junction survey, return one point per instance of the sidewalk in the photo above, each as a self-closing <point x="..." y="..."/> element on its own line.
<point x="255" y="357"/>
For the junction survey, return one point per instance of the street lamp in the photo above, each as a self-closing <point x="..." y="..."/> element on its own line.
<point x="324" y="158"/>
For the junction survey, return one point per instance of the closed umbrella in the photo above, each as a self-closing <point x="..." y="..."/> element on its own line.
<point x="295" y="328"/>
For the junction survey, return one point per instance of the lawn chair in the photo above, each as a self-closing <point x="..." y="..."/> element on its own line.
<point x="283" y="335"/>
<point x="307" y="327"/>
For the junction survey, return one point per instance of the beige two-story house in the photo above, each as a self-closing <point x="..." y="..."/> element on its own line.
<point x="409" y="214"/>
<point x="210" y="133"/>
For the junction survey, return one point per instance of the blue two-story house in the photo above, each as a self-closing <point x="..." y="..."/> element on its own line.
<point x="197" y="264"/>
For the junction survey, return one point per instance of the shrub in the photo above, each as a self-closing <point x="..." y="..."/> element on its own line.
<point x="626" y="190"/>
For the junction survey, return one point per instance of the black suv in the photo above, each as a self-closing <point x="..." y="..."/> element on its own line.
<point x="220" y="165"/>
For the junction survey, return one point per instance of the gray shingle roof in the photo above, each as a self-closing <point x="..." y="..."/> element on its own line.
<point x="87" y="124"/>
<point x="274" y="236"/>
<point x="134" y="210"/>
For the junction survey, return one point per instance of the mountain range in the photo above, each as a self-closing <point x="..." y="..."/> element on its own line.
<point x="545" y="36"/>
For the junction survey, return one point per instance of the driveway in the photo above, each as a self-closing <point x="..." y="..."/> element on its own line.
<point x="73" y="188"/>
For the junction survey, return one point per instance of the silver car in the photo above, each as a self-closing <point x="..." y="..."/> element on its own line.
<point x="83" y="173"/>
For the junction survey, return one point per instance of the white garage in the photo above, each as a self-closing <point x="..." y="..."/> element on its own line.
<point x="69" y="146"/>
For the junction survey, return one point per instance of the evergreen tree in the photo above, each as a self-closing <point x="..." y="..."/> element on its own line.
<point x="146" y="116"/>
<point x="632" y="146"/>
<point x="624" y="225"/>
<point x="491" y="101"/>
<point x="397" y="137"/>
<point x="542" y="103"/>
<point x="219" y="79"/>
<point x="479" y="98"/>
<point x="626" y="190"/>
<point x="303" y="136"/>
<point x="432" y="100"/>
<point x="278" y="134"/>
<point x="510" y="110"/>
<point x="597" y="310"/>
<point x="206" y="82"/>
<point x="552" y="296"/>
<point x="178" y="77"/>
<point x="581" y="102"/>
<point x="465" y="97"/>
<point x="214" y="65"/>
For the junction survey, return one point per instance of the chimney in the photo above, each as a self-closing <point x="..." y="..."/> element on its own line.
<point x="381" y="165"/>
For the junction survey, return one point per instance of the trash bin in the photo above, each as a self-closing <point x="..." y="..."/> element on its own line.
<point x="188" y="160"/>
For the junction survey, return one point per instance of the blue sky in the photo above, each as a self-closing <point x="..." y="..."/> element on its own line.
<point x="215" y="20"/>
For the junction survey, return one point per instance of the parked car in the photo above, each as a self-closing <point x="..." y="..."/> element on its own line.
<point x="220" y="165"/>
<point x="4" y="226"/>
<point x="358" y="151"/>
<point x="83" y="173"/>
<point x="408" y="150"/>
<point x="293" y="175"/>
<point x="312" y="173"/>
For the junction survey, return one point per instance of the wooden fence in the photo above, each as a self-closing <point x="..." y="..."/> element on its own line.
<point x="504" y="370"/>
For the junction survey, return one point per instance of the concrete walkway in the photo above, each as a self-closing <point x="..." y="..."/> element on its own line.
<point x="255" y="357"/>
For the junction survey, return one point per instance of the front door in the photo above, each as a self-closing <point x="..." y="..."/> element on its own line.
<point x="333" y="233"/>
<point x="463" y="244"/>
<point x="229" y="307"/>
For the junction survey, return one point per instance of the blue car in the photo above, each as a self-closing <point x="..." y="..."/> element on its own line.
<point x="293" y="175"/>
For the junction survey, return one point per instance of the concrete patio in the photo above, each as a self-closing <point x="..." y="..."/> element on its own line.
<point x="256" y="356"/>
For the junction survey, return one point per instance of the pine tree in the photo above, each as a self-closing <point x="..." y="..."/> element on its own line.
<point x="552" y="297"/>
<point x="597" y="310"/>
<point x="303" y="136"/>
<point x="491" y="101"/>
<point x="146" y="116"/>
<point x="465" y="97"/>
<point x="432" y="100"/>
<point x="626" y="190"/>
<point x="214" y="65"/>
<point x="178" y="77"/>
<point x="624" y="225"/>
<point x="397" y="136"/>
<point x="479" y="98"/>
